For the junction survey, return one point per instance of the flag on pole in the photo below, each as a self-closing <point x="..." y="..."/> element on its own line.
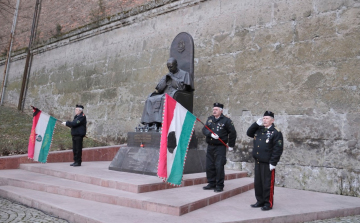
<point x="177" y="129"/>
<point x="41" y="136"/>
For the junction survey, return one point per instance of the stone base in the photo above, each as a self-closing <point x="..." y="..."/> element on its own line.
<point x="144" y="160"/>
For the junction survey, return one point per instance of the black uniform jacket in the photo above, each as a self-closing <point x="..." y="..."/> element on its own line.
<point x="223" y="127"/>
<point x="78" y="125"/>
<point x="268" y="143"/>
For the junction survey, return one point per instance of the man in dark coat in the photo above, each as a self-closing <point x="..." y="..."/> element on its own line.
<point x="223" y="129"/>
<point x="268" y="147"/>
<point x="78" y="131"/>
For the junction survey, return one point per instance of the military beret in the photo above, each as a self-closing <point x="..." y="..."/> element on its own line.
<point x="80" y="106"/>
<point x="269" y="113"/>
<point x="218" y="105"/>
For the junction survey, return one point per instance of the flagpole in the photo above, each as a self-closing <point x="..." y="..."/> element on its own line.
<point x="211" y="132"/>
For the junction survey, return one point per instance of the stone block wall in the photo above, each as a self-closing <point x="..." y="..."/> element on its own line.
<point x="297" y="58"/>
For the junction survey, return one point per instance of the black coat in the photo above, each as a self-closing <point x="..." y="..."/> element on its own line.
<point x="223" y="127"/>
<point x="268" y="143"/>
<point x="78" y="125"/>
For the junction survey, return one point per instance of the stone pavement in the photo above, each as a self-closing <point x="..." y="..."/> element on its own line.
<point x="12" y="212"/>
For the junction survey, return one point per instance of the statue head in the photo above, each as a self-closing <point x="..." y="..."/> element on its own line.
<point x="172" y="65"/>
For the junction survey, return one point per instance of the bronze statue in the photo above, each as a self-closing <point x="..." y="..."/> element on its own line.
<point x="175" y="80"/>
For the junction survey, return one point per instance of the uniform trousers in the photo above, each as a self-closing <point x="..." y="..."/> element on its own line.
<point x="77" y="148"/>
<point x="264" y="184"/>
<point x="215" y="161"/>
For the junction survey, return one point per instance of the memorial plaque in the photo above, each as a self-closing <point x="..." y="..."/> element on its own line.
<point x="148" y="139"/>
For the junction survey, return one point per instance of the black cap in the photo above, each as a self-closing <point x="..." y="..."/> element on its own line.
<point x="218" y="105"/>
<point x="80" y="106"/>
<point x="269" y="113"/>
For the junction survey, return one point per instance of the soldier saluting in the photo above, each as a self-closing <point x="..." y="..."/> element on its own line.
<point x="268" y="147"/>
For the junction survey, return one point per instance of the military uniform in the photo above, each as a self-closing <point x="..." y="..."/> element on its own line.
<point x="268" y="147"/>
<point x="216" y="150"/>
<point x="78" y="131"/>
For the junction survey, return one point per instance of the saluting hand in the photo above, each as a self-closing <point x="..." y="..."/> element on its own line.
<point x="259" y="122"/>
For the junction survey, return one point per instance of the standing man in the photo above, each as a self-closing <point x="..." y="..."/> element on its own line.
<point x="78" y="131"/>
<point x="268" y="147"/>
<point x="223" y="129"/>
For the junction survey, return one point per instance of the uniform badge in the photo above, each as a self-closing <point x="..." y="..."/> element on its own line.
<point x="267" y="140"/>
<point x="78" y="121"/>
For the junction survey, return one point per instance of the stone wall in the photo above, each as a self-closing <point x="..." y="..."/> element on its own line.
<point x="297" y="58"/>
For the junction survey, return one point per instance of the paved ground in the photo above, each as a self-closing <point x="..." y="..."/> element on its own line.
<point x="12" y="212"/>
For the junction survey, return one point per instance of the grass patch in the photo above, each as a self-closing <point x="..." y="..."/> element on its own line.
<point x="15" y="128"/>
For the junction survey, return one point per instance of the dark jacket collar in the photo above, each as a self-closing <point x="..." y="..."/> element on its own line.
<point x="271" y="128"/>
<point x="221" y="116"/>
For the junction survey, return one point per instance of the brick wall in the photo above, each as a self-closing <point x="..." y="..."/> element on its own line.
<point x="56" y="18"/>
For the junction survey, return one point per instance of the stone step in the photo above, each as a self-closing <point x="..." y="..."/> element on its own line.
<point x="291" y="206"/>
<point x="97" y="173"/>
<point x="176" y="201"/>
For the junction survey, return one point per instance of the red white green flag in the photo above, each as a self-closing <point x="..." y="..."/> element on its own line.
<point x="177" y="129"/>
<point x="41" y="136"/>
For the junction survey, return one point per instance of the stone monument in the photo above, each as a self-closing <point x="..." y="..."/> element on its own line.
<point x="142" y="152"/>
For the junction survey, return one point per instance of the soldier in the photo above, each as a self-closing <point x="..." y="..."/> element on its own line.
<point x="268" y="147"/>
<point x="224" y="129"/>
<point x="78" y="131"/>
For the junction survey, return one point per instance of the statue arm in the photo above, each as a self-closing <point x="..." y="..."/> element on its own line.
<point x="161" y="85"/>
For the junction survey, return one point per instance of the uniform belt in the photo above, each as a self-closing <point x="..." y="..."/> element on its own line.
<point x="212" y="144"/>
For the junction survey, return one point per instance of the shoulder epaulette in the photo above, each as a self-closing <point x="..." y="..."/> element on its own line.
<point x="277" y="129"/>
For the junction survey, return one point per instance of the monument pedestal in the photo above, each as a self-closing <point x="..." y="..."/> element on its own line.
<point x="144" y="160"/>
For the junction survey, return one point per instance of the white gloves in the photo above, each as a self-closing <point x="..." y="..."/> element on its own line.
<point x="271" y="167"/>
<point x="259" y="122"/>
<point x="231" y="148"/>
<point x="63" y="123"/>
<point x="214" y="136"/>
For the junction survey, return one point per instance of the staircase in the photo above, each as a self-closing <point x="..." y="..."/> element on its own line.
<point x="49" y="185"/>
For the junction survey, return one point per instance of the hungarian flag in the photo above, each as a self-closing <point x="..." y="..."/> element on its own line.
<point x="41" y="136"/>
<point x="177" y="129"/>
